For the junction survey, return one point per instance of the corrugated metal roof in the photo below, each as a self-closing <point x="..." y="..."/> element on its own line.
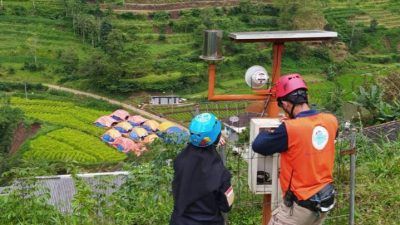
<point x="62" y="188"/>
<point x="388" y="131"/>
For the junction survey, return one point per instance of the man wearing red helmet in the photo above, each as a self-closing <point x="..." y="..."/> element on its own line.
<point x="306" y="144"/>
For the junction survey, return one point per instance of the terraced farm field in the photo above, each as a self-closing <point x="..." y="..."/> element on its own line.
<point x="24" y="37"/>
<point x="75" y="140"/>
<point x="386" y="12"/>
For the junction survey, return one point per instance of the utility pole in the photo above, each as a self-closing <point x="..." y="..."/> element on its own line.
<point x="26" y="92"/>
<point x="352" y="176"/>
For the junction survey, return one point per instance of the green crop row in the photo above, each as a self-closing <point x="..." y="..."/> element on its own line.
<point x="48" y="149"/>
<point x="76" y="141"/>
<point x="64" y="114"/>
<point x="68" y="145"/>
<point x="87" y="144"/>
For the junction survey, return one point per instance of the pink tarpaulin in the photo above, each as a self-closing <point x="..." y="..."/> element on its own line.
<point x="120" y="114"/>
<point x="105" y="121"/>
<point x="127" y="145"/>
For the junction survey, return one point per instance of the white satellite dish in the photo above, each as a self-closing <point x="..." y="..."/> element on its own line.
<point x="234" y="119"/>
<point x="256" y="77"/>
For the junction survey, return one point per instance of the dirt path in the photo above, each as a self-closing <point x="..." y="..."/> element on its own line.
<point x="112" y="101"/>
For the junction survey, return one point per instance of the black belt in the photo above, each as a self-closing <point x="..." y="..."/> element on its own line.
<point x="323" y="201"/>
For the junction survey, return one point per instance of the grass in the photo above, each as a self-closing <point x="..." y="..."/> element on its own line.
<point x="52" y="37"/>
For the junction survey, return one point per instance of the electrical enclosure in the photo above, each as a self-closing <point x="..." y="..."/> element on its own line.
<point x="263" y="171"/>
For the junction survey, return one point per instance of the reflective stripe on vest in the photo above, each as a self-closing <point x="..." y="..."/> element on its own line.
<point x="310" y="154"/>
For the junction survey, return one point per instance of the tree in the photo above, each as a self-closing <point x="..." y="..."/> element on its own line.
<point x="32" y="44"/>
<point x="102" y="72"/>
<point x="9" y="119"/>
<point x="70" y="61"/>
<point x="114" y="43"/>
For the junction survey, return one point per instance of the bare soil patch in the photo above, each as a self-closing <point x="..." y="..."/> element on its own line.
<point x="21" y="134"/>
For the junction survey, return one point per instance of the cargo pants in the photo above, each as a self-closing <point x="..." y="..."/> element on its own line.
<point x="295" y="215"/>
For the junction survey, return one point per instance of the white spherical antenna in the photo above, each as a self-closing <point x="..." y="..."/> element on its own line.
<point x="256" y="77"/>
<point x="234" y="119"/>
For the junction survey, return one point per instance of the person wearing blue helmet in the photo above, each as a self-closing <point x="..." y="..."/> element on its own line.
<point x="201" y="186"/>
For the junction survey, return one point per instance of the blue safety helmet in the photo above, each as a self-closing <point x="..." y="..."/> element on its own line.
<point x="204" y="130"/>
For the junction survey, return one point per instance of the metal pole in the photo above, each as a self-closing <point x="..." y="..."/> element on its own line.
<point x="272" y="111"/>
<point x="221" y="152"/>
<point x="352" y="177"/>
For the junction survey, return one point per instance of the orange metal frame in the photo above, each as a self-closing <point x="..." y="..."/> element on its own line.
<point x="272" y="107"/>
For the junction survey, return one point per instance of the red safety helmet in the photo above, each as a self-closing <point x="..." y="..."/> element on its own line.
<point x="288" y="84"/>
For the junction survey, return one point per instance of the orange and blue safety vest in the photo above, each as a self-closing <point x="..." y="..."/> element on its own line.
<point x="306" y="144"/>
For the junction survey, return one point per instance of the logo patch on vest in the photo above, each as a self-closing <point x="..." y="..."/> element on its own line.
<point x="320" y="137"/>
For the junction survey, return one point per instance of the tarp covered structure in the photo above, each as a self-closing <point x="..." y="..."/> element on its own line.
<point x="130" y="133"/>
<point x="150" y="138"/>
<point x="126" y="145"/>
<point x="105" y="121"/>
<point x="136" y="120"/>
<point x="174" y="134"/>
<point x="110" y="135"/>
<point x="165" y="125"/>
<point x="123" y="127"/>
<point x="138" y="132"/>
<point x="120" y="115"/>
<point x="151" y="125"/>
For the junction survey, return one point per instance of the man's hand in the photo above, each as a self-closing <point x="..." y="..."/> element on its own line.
<point x="221" y="142"/>
<point x="283" y="117"/>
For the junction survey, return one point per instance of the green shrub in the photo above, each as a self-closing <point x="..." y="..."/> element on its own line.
<point x="19" y="11"/>
<point x="160" y="16"/>
<point x="33" y="67"/>
<point x="11" y="86"/>
<point x="131" y="16"/>
<point x="11" y="70"/>
<point x="28" y="202"/>
<point x="9" y="120"/>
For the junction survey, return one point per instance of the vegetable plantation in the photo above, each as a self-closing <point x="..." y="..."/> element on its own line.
<point x="74" y="140"/>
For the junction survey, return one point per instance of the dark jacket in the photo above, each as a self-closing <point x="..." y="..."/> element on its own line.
<point x="199" y="186"/>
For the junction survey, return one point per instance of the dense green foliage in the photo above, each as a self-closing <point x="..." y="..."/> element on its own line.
<point x="9" y="119"/>
<point x="145" y="197"/>
<point x="79" y="44"/>
<point x="125" y="53"/>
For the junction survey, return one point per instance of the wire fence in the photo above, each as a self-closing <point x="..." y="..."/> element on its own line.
<point x="238" y="159"/>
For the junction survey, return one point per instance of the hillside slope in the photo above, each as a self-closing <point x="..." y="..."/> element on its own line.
<point x="165" y="46"/>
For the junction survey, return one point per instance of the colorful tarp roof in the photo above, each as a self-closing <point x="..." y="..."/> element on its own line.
<point x="140" y="131"/>
<point x="120" y="114"/>
<point x="165" y="125"/>
<point x="150" y="138"/>
<point x="105" y="121"/>
<point x="123" y="127"/>
<point x="151" y="125"/>
<point x="136" y="120"/>
<point x="110" y="135"/>
<point x="127" y="145"/>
